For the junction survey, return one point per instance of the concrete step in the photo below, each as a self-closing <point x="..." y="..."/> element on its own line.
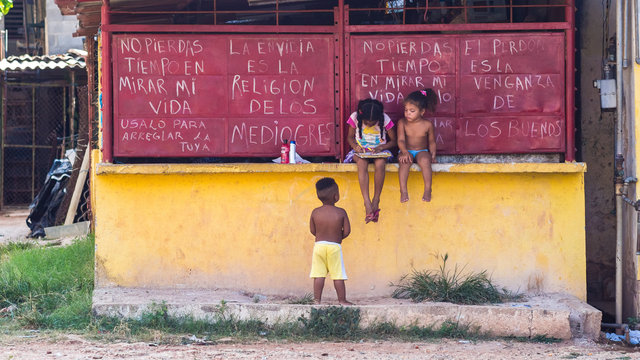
<point x="558" y="316"/>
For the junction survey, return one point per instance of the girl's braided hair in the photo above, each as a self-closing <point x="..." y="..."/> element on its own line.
<point x="423" y="99"/>
<point x="370" y="109"/>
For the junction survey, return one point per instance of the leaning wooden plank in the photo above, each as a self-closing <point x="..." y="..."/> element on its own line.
<point x="75" y="199"/>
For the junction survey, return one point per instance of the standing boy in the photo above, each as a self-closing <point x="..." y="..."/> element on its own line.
<point x="329" y="224"/>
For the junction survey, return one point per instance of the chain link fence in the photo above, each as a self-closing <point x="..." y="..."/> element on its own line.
<point x="34" y="134"/>
<point x="40" y="123"/>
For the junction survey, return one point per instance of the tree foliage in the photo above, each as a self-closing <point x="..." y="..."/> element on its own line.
<point x="5" y="6"/>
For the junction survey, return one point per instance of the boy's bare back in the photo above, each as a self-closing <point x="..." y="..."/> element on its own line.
<point x="417" y="134"/>
<point x="329" y="223"/>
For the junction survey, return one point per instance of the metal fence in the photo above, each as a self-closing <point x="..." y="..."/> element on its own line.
<point x="35" y="131"/>
<point x="40" y="122"/>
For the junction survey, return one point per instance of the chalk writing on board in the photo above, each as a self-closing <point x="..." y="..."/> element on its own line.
<point x="509" y="67"/>
<point x="291" y="93"/>
<point x="174" y="92"/>
<point x="443" y="126"/>
<point x="274" y="133"/>
<point x="277" y="47"/>
<point x="513" y="128"/>
<point x="520" y="77"/>
<point x="191" y="135"/>
<point x="388" y="69"/>
<point x="149" y="45"/>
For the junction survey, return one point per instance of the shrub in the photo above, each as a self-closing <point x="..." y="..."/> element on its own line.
<point x="447" y="285"/>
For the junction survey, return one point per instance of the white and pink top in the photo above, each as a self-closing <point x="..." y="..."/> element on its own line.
<point x="370" y="134"/>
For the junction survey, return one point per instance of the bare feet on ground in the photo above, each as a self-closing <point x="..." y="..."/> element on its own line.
<point x="427" y="196"/>
<point x="404" y="197"/>
<point x="345" y="303"/>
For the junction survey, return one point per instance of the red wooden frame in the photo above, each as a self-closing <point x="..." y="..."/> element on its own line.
<point x="342" y="31"/>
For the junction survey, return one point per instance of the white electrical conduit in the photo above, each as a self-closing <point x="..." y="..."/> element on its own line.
<point x="634" y="32"/>
<point x="618" y="141"/>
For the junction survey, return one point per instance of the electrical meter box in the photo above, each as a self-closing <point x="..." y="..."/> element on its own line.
<point x="607" y="93"/>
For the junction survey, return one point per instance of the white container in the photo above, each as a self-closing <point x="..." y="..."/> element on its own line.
<point x="292" y="152"/>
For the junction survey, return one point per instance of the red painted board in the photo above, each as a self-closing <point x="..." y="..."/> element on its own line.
<point x="254" y="136"/>
<point x="181" y="137"/>
<point x="516" y="73"/>
<point x="229" y="85"/>
<point x="510" y="134"/>
<point x="479" y="79"/>
<point x="388" y="68"/>
<point x="445" y="134"/>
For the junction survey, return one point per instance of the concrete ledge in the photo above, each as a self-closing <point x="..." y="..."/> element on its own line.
<point x="158" y="169"/>
<point x="552" y="315"/>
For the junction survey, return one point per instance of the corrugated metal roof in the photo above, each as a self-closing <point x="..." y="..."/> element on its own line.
<point x="44" y="62"/>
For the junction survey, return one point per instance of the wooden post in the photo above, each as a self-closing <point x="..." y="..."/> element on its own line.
<point x="82" y="177"/>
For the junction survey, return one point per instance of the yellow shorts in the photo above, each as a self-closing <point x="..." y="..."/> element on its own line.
<point x="327" y="258"/>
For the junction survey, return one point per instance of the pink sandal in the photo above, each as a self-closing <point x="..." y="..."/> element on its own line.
<point x="369" y="218"/>
<point x="375" y="215"/>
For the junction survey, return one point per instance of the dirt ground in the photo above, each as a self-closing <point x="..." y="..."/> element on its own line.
<point x="46" y="346"/>
<point x="77" y="347"/>
<point x="13" y="226"/>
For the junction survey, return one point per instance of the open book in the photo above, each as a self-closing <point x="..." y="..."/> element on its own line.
<point x="373" y="155"/>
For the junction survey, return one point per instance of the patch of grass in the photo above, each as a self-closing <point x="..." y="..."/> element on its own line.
<point x="8" y="248"/>
<point x="545" y="339"/>
<point x="536" y="339"/>
<point x="50" y="287"/>
<point x="333" y="321"/>
<point x="455" y="286"/>
<point x="456" y="330"/>
<point x="330" y="323"/>
<point x="571" y="355"/>
<point x="307" y="299"/>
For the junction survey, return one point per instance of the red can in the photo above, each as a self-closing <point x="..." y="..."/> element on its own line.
<point x="284" y="152"/>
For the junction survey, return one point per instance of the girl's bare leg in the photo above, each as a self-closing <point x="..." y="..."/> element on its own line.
<point x="363" y="179"/>
<point x="342" y="292"/>
<point x="423" y="159"/>
<point x="318" y="285"/>
<point x="403" y="175"/>
<point x="378" y="182"/>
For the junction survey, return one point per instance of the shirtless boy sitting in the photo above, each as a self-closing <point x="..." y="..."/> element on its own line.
<point x="329" y="224"/>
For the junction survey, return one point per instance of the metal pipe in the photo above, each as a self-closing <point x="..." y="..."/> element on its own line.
<point x="614" y="326"/>
<point x="107" y="121"/>
<point x="570" y="76"/>
<point x="625" y="34"/>
<point x="623" y="327"/>
<point x="636" y="17"/>
<point x="619" y="162"/>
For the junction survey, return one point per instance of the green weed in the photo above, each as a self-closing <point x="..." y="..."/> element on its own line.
<point x="333" y="321"/>
<point x="455" y="286"/>
<point x="50" y="287"/>
<point x="545" y="339"/>
<point x="307" y="299"/>
<point x="571" y="355"/>
<point x="8" y="248"/>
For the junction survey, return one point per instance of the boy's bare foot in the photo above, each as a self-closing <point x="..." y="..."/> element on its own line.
<point x="404" y="197"/>
<point x="427" y="196"/>
<point x="316" y="302"/>
<point x="346" y="303"/>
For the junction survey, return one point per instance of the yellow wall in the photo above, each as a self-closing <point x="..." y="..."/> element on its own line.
<point x="245" y="226"/>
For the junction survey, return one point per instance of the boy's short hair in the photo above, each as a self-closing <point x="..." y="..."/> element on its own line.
<point x="325" y="187"/>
